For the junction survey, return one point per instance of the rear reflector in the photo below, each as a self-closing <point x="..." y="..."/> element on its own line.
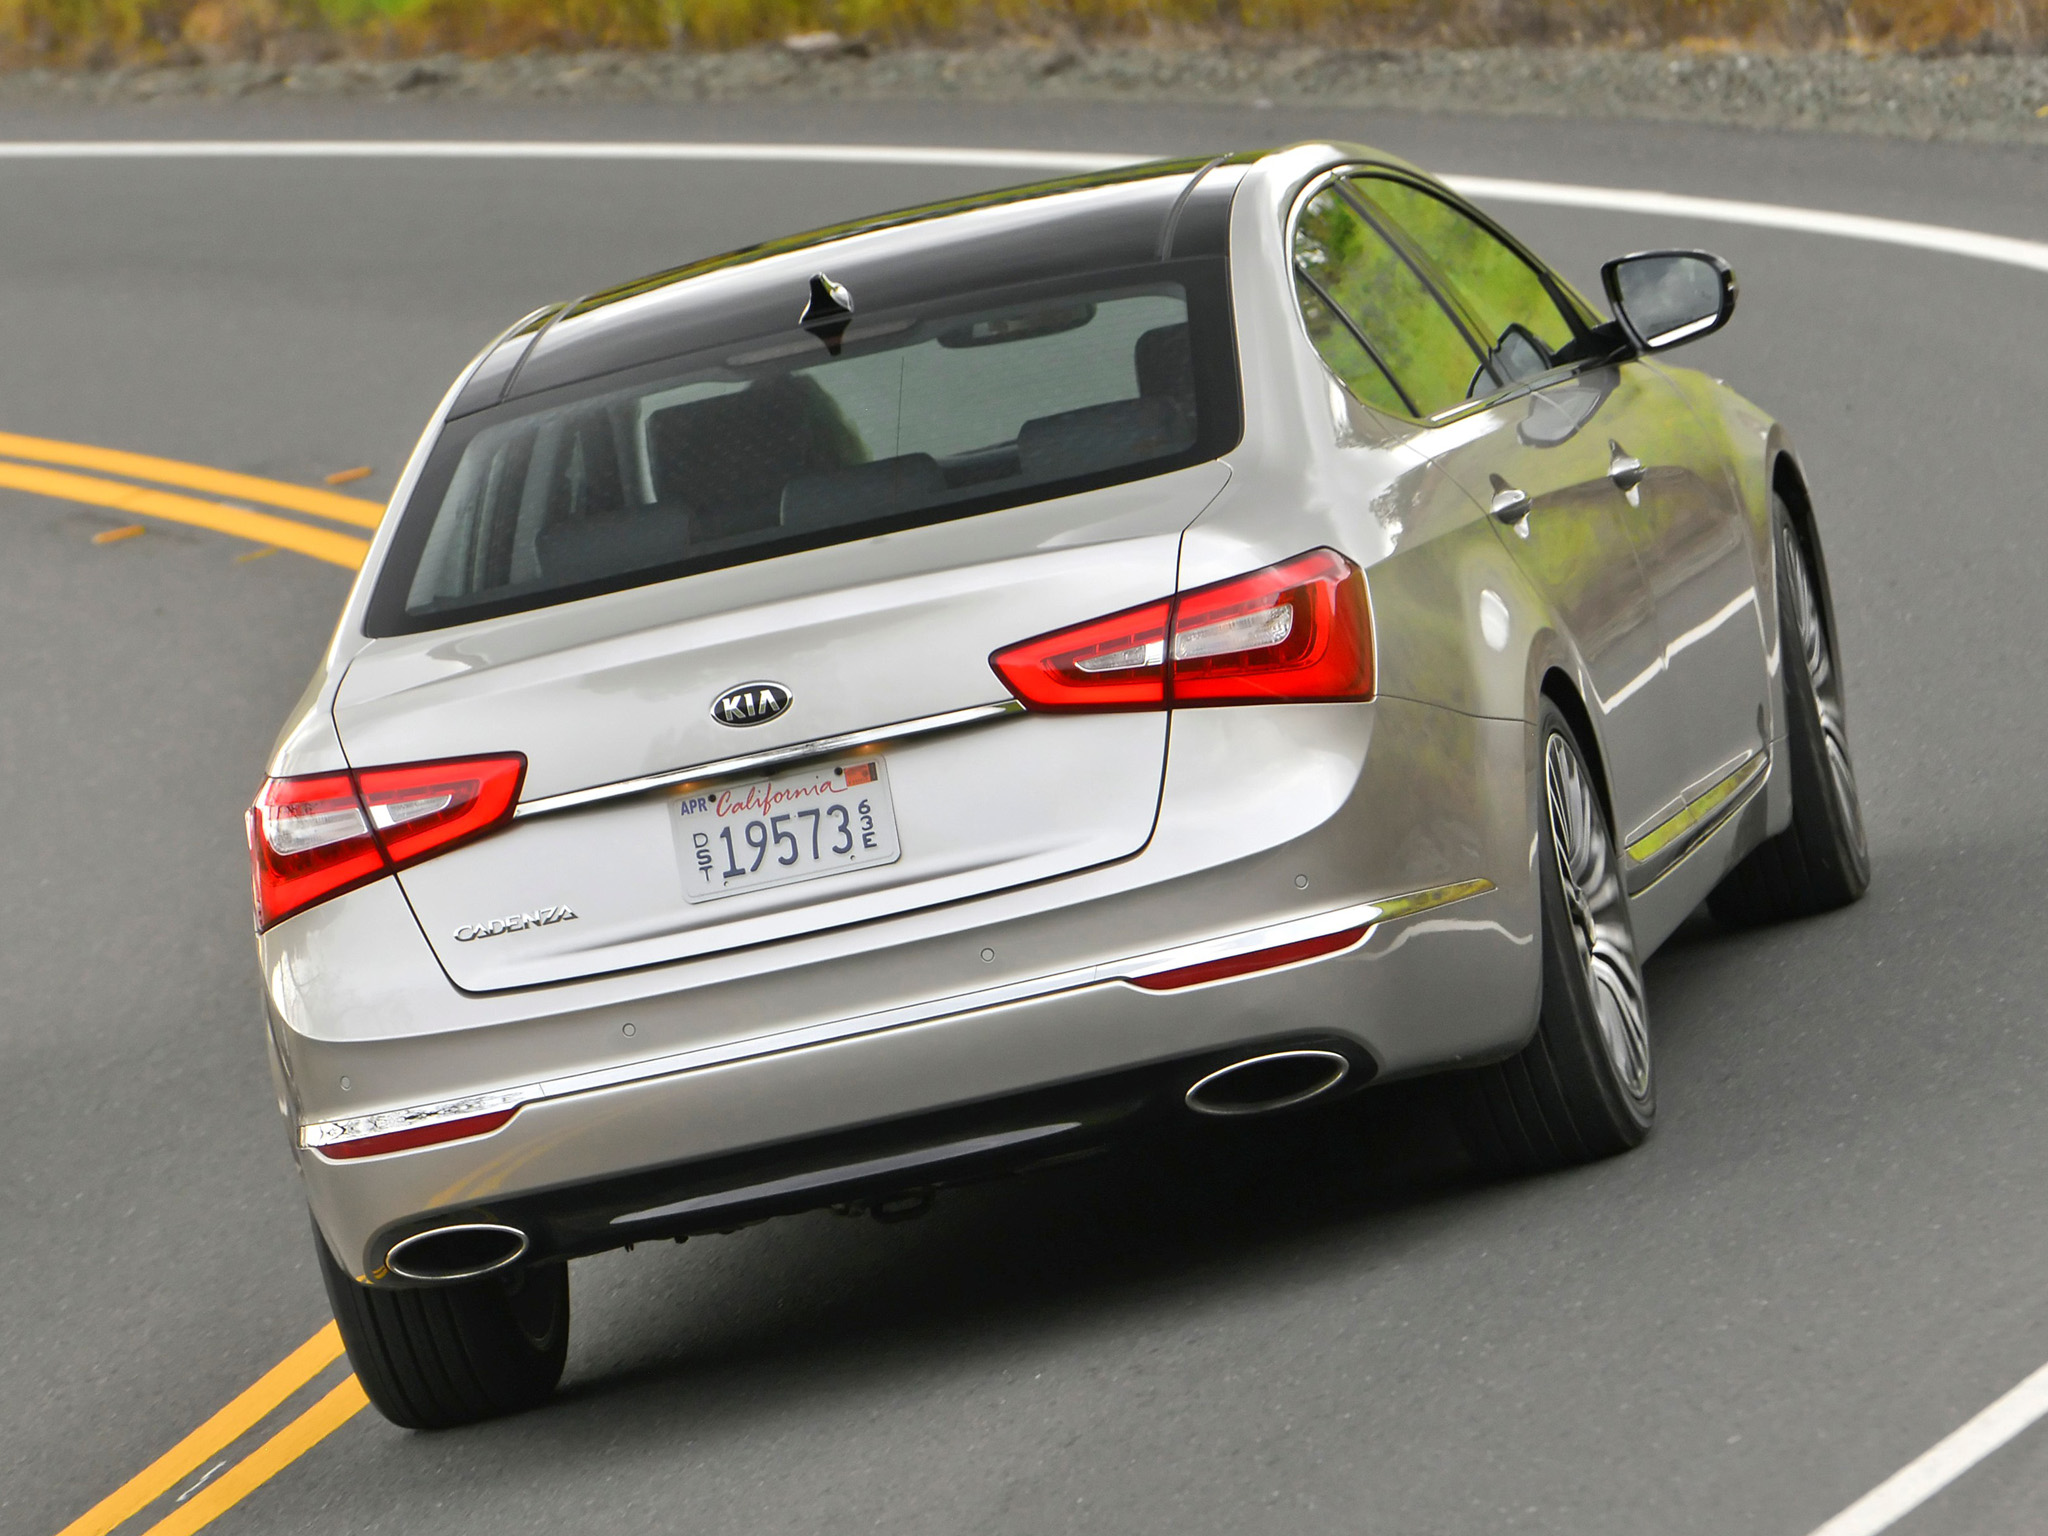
<point x="427" y="1135"/>
<point x="314" y="837"/>
<point x="1300" y="632"/>
<point x="1242" y="965"/>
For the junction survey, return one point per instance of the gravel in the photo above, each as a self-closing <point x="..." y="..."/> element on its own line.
<point x="1981" y="97"/>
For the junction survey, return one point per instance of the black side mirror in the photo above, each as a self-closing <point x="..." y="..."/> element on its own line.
<point x="1666" y="298"/>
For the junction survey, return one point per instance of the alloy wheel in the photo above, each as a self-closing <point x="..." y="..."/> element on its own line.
<point x="1598" y="911"/>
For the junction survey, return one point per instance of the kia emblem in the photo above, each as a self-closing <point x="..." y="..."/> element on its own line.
<point x="750" y="704"/>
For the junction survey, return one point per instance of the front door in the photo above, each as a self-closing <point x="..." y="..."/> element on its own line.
<point x="1695" y="548"/>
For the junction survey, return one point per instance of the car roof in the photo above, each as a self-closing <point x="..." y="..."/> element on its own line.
<point x="1130" y="216"/>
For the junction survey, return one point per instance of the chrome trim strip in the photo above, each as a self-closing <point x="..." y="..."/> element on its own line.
<point x="1365" y="914"/>
<point x="773" y="757"/>
<point x="1666" y="843"/>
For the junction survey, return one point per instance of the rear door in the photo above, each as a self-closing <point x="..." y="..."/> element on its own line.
<point x="1612" y="460"/>
<point x="1378" y="307"/>
<point x="1573" y="541"/>
<point x="1693" y="540"/>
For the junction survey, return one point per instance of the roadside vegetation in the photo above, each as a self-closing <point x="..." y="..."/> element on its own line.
<point x="104" y="33"/>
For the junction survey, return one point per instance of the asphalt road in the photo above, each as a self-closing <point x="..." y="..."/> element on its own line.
<point x="1830" y="1254"/>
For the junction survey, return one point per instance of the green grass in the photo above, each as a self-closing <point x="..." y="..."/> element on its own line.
<point x="89" y="32"/>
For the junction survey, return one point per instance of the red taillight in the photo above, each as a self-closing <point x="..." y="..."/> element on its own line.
<point x="308" y="840"/>
<point x="1113" y="663"/>
<point x="1300" y="632"/>
<point x="421" y="809"/>
<point x="315" y="837"/>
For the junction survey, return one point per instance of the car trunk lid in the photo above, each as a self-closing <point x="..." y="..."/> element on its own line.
<point x="858" y="641"/>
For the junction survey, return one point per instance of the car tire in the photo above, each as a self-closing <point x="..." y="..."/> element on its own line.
<point x="1583" y="1088"/>
<point x="439" y="1356"/>
<point x="1822" y="860"/>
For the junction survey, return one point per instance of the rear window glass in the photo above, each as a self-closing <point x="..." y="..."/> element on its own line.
<point x="798" y="440"/>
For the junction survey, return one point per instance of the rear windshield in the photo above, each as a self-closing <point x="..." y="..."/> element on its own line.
<point x="801" y="439"/>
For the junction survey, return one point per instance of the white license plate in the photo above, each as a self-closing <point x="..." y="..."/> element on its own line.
<point x="797" y="826"/>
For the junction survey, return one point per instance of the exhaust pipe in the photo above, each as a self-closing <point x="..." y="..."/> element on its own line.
<point x="459" y="1252"/>
<point x="1275" y="1080"/>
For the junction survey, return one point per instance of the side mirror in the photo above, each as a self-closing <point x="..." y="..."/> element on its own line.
<point x="1666" y="298"/>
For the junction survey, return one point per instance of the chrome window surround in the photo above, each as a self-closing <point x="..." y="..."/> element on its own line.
<point x="1365" y="915"/>
<point x="1464" y="408"/>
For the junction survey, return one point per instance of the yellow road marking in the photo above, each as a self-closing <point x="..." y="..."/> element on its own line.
<point x="195" y="477"/>
<point x="344" y="476"/>
<point x="223" y="1429"/>
<point x="257" y="527"/>
<point x="265" y="1462"/>
<point x="116" y="535"/>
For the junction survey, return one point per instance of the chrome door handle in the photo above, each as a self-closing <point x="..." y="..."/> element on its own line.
<point x="1510" y="503"/>
<point x="1624" y="469"/>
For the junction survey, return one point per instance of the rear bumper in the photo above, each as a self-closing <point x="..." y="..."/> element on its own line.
<point x="1278" y="824"/>
<point x="714" y="1146"/>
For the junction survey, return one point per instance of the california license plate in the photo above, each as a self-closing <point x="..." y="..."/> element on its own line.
<point x="797" y="826"/>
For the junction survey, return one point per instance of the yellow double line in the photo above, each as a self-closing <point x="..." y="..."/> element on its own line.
<point x="26" y="464"/>
<point x="215" y="1498"/>
<point x="22" y="468"/>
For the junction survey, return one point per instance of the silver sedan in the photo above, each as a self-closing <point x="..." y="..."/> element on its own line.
<point x="924" y="699"/>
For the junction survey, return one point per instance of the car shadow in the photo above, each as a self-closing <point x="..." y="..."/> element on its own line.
<point x="750" y="1327"/>
<point x="1199" y="1209"/>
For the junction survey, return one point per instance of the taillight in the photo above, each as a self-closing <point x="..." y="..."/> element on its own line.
<point x="1300" y="631"/>
<point x="314" y="837"/>
<point x="1113" y="663"/>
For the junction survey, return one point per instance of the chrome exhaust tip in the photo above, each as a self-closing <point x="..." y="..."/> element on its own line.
<point x="1275" y="1080"/>
<point x="462" y="1251"/>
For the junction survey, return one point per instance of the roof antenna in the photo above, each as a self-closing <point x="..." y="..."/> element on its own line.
<point x="827" y="314"/>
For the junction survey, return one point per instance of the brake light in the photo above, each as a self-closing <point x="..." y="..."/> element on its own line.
<point x="1300" y="631"/>
<point x="316" y="836"/>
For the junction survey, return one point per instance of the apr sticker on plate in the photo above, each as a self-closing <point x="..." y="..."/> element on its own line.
<point x="798" y="826"/>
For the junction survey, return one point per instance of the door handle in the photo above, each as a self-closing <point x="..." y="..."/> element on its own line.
<point x="1624" y="469"/>
<point x="1510" y="503"/>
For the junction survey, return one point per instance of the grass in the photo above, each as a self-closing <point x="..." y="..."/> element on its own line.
<point x="104" y="32"/>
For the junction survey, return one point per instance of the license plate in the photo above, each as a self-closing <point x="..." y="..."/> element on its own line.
<point x="797" y="826"/>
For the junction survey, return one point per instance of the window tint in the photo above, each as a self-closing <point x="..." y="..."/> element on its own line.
<point x="1340" y="258"/>
<point x="1522" y="325"/>
<point x="788" y="442"/>
<point x="1338" y="342"/>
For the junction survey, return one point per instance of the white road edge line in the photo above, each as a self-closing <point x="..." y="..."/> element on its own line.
<point x="556" y="149"/>
<point x="1933" y="1470"/>
<point x="2005" y="249"/>
<point x="1812" y="221"/>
